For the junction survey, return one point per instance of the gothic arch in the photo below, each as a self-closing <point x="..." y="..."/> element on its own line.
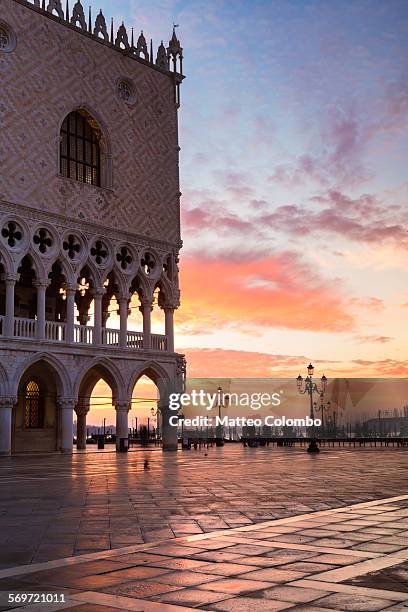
<point x="6" y="261"/>
<point x="168" y="295"/>
<point x="157" y="374"/>
<point x="96" y="369"/>
<point x="120" y="281"/>
<point x="68" y="272"/>
<point x="37" y="264"/>
<point x="4" y="382"/>
<point x="62" y="379"/>
<point x="146" y="287"/>
<point x="105" y="144"/>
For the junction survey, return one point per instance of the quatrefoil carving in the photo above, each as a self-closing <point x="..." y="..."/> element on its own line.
<point x="148" y="263"/>
<point x="124" y="257"/>
<point x="43" y="240"/>
<point x="99" y="252"/>
<point x="12" y="233"/>
<point x="72" y="246"/>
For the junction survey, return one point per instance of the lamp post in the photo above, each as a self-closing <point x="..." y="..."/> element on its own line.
<point x="219" y="435"/>
<point x="322" y="407"/>
<point x="155" y="418"/>
<point x="308" y="386"/>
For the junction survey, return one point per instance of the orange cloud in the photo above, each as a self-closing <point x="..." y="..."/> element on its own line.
<point x="278" y="291"/>
<point x="224" y="363"/>
<point x="219" y="363"/>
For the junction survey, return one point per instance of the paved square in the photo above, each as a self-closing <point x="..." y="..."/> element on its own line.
<point x="268" y="529"/>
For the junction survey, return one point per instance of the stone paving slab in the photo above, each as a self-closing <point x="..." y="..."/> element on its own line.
<point x="176" y="575"/>
<point x="59" y="506"/>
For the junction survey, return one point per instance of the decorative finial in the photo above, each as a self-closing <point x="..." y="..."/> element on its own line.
<point x="111" y="31"/>
<point x="132" y="41"/>
<point x="67" y="11"/>
<point x="142" y="47"/>
<point x="78" y="16"/>
<point x="54" y="5"/>
<point x="151" y="51"/>
<point x="174" y="50"/>
<point x="90" y="20"/>
<point x="122" y="37"/>
<point x="100" y="27"/>
<point x="161" y="58"/>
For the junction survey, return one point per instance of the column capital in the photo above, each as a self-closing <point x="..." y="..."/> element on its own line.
<point x="82" y="409"/>
<point x="71" y="288"/>
<point x="98" y="292"/>
<point x="6" y="402"/>
<point x="123" y="405"/>
<point x="125" y="297"/>
<point x="169" y="306"/>
<point x="42" y="284"/>
<point x="12" y="278"/>
<point x="66" y="403"/>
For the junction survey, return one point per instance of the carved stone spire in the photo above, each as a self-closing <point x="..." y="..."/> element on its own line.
<point x="122" y="37"/>
<point x="78" y="15"/>
<point x="142" y="47"/>
<point x="161" y="59"/>
<point x="175" y="50"/>
<point x="55" y="5"/>
<point x="100" y="27"/>
<point x="174" y="47"/>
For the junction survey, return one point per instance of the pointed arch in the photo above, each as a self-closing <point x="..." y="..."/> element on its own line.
<point x="141" y="285"/>
<point x="63" y="382"/>
<point x="68" y="272"/>
<point x="36" y="264"/>
<point x="93" y="371"/>
<point x="6" y="261"/>
<point x="4" y="382"/>
<point x="157" y="374"/>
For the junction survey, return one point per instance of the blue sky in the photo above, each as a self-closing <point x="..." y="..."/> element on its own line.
<point x="293" y="128"/>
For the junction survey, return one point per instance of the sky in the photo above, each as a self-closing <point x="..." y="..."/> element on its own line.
<point x="293" y="134"/>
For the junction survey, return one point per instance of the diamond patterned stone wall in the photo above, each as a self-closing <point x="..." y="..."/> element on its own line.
<point x="52" y="71"/>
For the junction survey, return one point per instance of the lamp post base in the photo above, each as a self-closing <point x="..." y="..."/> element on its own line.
<point x="313" y="447"/>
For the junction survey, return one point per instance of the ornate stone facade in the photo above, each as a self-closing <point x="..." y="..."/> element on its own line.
<point x="89" y="212"/>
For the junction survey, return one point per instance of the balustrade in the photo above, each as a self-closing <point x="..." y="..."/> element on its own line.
<point x="56" y="331"/>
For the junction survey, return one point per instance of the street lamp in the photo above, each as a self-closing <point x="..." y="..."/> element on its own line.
<point x="308" y="386"/>
<point x="155" y="419"/>
<point x="322" y="407"/>
<point x="219" y="438"/>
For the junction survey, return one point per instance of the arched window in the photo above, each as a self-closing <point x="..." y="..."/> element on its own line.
<point x="33" y="406"/>
<point x="80" y="155"/>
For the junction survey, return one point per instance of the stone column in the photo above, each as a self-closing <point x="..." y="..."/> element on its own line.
<point x="146" y="310"/>
<point x="66" y="407"/>
<point x="6" y="418"/>
<point x="97" y="332"/>
<point x="123" y="313"/>
<point x="169" y="328"/>
<point x="70" y="323"/>
<point x="41" y="289"/>
<point x="169" y="431"/>
<point x="122" y="427"/>
<point x="81" y="412"/>
<point x="11" y="280"/>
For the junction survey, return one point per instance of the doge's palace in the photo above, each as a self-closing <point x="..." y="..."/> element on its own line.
<point x="89" y="217"/>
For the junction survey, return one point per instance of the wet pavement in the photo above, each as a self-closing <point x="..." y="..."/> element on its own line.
<point x="61" y="506"/>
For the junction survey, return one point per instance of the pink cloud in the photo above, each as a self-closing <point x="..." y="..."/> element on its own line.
<point x="374" y="339"/>
<point x="276" y="291"/>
